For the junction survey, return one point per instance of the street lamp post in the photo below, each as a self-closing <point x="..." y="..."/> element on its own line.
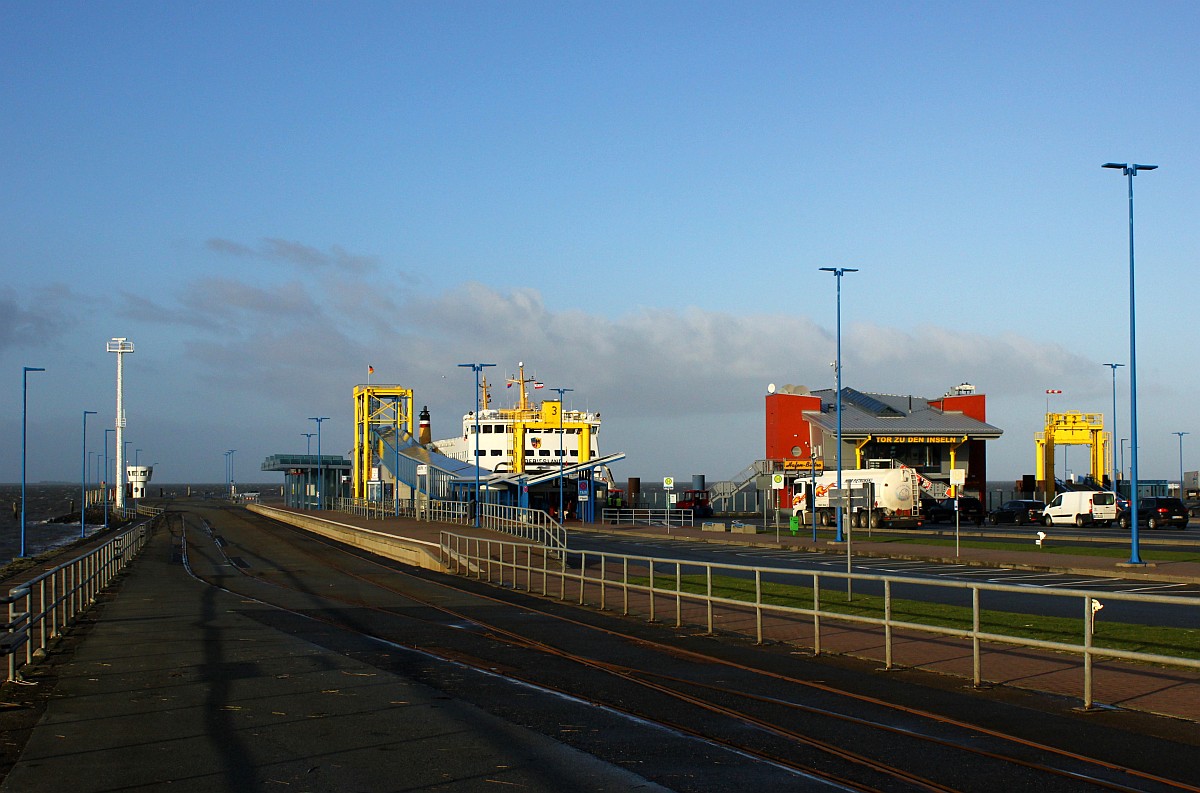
<point x="477" y="368"/>
<point x="307" y="468"/>
<point x="561" y="391"/>
<point x="83" y="478"/>
<point x="320" y="477"/>
<point x="1181" y="434"/>
<point x="1114" y="366"/>
<point x="104" y="483"/>
<point x="25" y="370"/>
<point x="231" y="478"/>
<point x="1130" y="170"/>
<point x="838" y="272"/>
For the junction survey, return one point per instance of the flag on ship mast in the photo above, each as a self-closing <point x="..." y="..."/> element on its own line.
<point x="370" y="371"/>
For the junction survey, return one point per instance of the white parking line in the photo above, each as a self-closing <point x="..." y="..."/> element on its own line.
<point x="1020" y="574"/>
<point x="1080" y="582"/>
<point x="1164" y="585"/>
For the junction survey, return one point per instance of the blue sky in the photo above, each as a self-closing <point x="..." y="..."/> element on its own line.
<point x="633" y="198"/>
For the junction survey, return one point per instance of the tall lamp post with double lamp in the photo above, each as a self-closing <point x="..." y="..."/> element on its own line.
<point x="320" y="478"/>
<point x="83" y="482"/>
<point x="1114" y="366"/>
<point x="838" y="272"/>
<point x="307" y="467"/>
<point x="1130" y="170"/>
<point x="477" y="368"/>
<point x="561" y="455"/>
<point x="24" y="413"/>
<point x="1181" y="434"/>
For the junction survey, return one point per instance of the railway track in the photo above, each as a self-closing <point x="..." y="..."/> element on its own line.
<point x="734" y="719"/>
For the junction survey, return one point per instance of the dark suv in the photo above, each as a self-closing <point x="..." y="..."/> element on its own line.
<point x="1156" y="513"/>
<point x="1018" y="512"/>
<point x="970" y="510"/>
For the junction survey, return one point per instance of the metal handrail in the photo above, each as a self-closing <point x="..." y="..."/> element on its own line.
<point x="534" y="525"/>
<point x="484" y="558"/>
<point x="39" y="609"/>
<point x="653" y="517"/>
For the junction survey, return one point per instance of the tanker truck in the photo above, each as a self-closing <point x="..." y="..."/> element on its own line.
<point x="886" y="497"/>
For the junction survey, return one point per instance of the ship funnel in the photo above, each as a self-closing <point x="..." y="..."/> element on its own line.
<point x="423" y="433"/>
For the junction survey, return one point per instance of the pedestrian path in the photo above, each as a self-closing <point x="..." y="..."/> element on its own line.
<point x="182" y="686"/>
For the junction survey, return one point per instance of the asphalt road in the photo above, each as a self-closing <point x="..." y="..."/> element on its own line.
<point x="1134" y="613"/>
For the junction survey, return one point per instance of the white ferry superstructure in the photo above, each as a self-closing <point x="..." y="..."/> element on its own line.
<point x="525" y="439"/>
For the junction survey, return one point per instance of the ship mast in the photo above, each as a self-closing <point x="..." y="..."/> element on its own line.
<point x="523" y="405"/>
<point x="485" y="398"/>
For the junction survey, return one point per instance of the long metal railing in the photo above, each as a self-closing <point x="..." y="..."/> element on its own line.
<point x="607" y="575"/>
<point x="653" y="517"/>
<point x="41" y="608"/>
<point x="534" y="525"/>
<point x="145" y="510"/>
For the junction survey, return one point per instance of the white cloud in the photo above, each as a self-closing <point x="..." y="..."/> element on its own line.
<point x="681" y="391"/>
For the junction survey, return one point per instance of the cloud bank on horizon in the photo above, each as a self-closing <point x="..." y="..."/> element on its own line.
<point x="677" y="388"/>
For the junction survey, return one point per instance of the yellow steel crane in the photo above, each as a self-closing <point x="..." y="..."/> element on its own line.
<point x="383" y="417"/>
<point x="1071" y="429"/>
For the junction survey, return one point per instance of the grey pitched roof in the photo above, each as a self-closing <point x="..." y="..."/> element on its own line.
<point x="892" y="414"/>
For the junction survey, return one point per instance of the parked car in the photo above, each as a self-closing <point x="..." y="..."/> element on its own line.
<point x="1156" y="512"/>
<point x="1019" y="512"/>
<point x="970" y="510"/>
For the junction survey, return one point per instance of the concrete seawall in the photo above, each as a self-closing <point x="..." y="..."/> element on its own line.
<point x="418" y="553"/>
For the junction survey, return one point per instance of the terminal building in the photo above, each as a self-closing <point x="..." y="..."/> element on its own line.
<point x="932" y="436"/>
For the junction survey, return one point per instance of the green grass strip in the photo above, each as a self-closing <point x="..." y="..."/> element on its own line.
<point x="1051" y="547"/>
<point x="1175" y="642"/>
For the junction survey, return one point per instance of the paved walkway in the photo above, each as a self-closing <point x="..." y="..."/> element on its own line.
<point x="181" y="686"/>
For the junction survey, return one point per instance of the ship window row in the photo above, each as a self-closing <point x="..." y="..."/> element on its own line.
<point x="540" y="452"/>
<point x="503" y="429"/>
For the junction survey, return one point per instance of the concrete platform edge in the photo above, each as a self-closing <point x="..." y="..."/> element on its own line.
<point x="418" y="553"/>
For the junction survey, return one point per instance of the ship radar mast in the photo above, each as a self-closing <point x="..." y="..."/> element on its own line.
<point x="521" y="380"/>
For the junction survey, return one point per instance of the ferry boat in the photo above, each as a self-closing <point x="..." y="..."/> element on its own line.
<point x="526" y="439"/>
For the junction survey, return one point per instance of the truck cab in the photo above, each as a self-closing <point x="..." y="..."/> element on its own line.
<point x="697" y="501"/>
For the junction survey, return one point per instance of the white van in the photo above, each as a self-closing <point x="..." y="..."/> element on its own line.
<point x="1081" y="508"/>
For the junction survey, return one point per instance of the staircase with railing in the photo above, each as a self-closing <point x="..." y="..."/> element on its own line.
<point x="721" y="494"/>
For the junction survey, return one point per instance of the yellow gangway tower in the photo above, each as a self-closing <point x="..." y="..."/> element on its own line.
<point x="1071" y="429"/>
<point x="383" y="420"/>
